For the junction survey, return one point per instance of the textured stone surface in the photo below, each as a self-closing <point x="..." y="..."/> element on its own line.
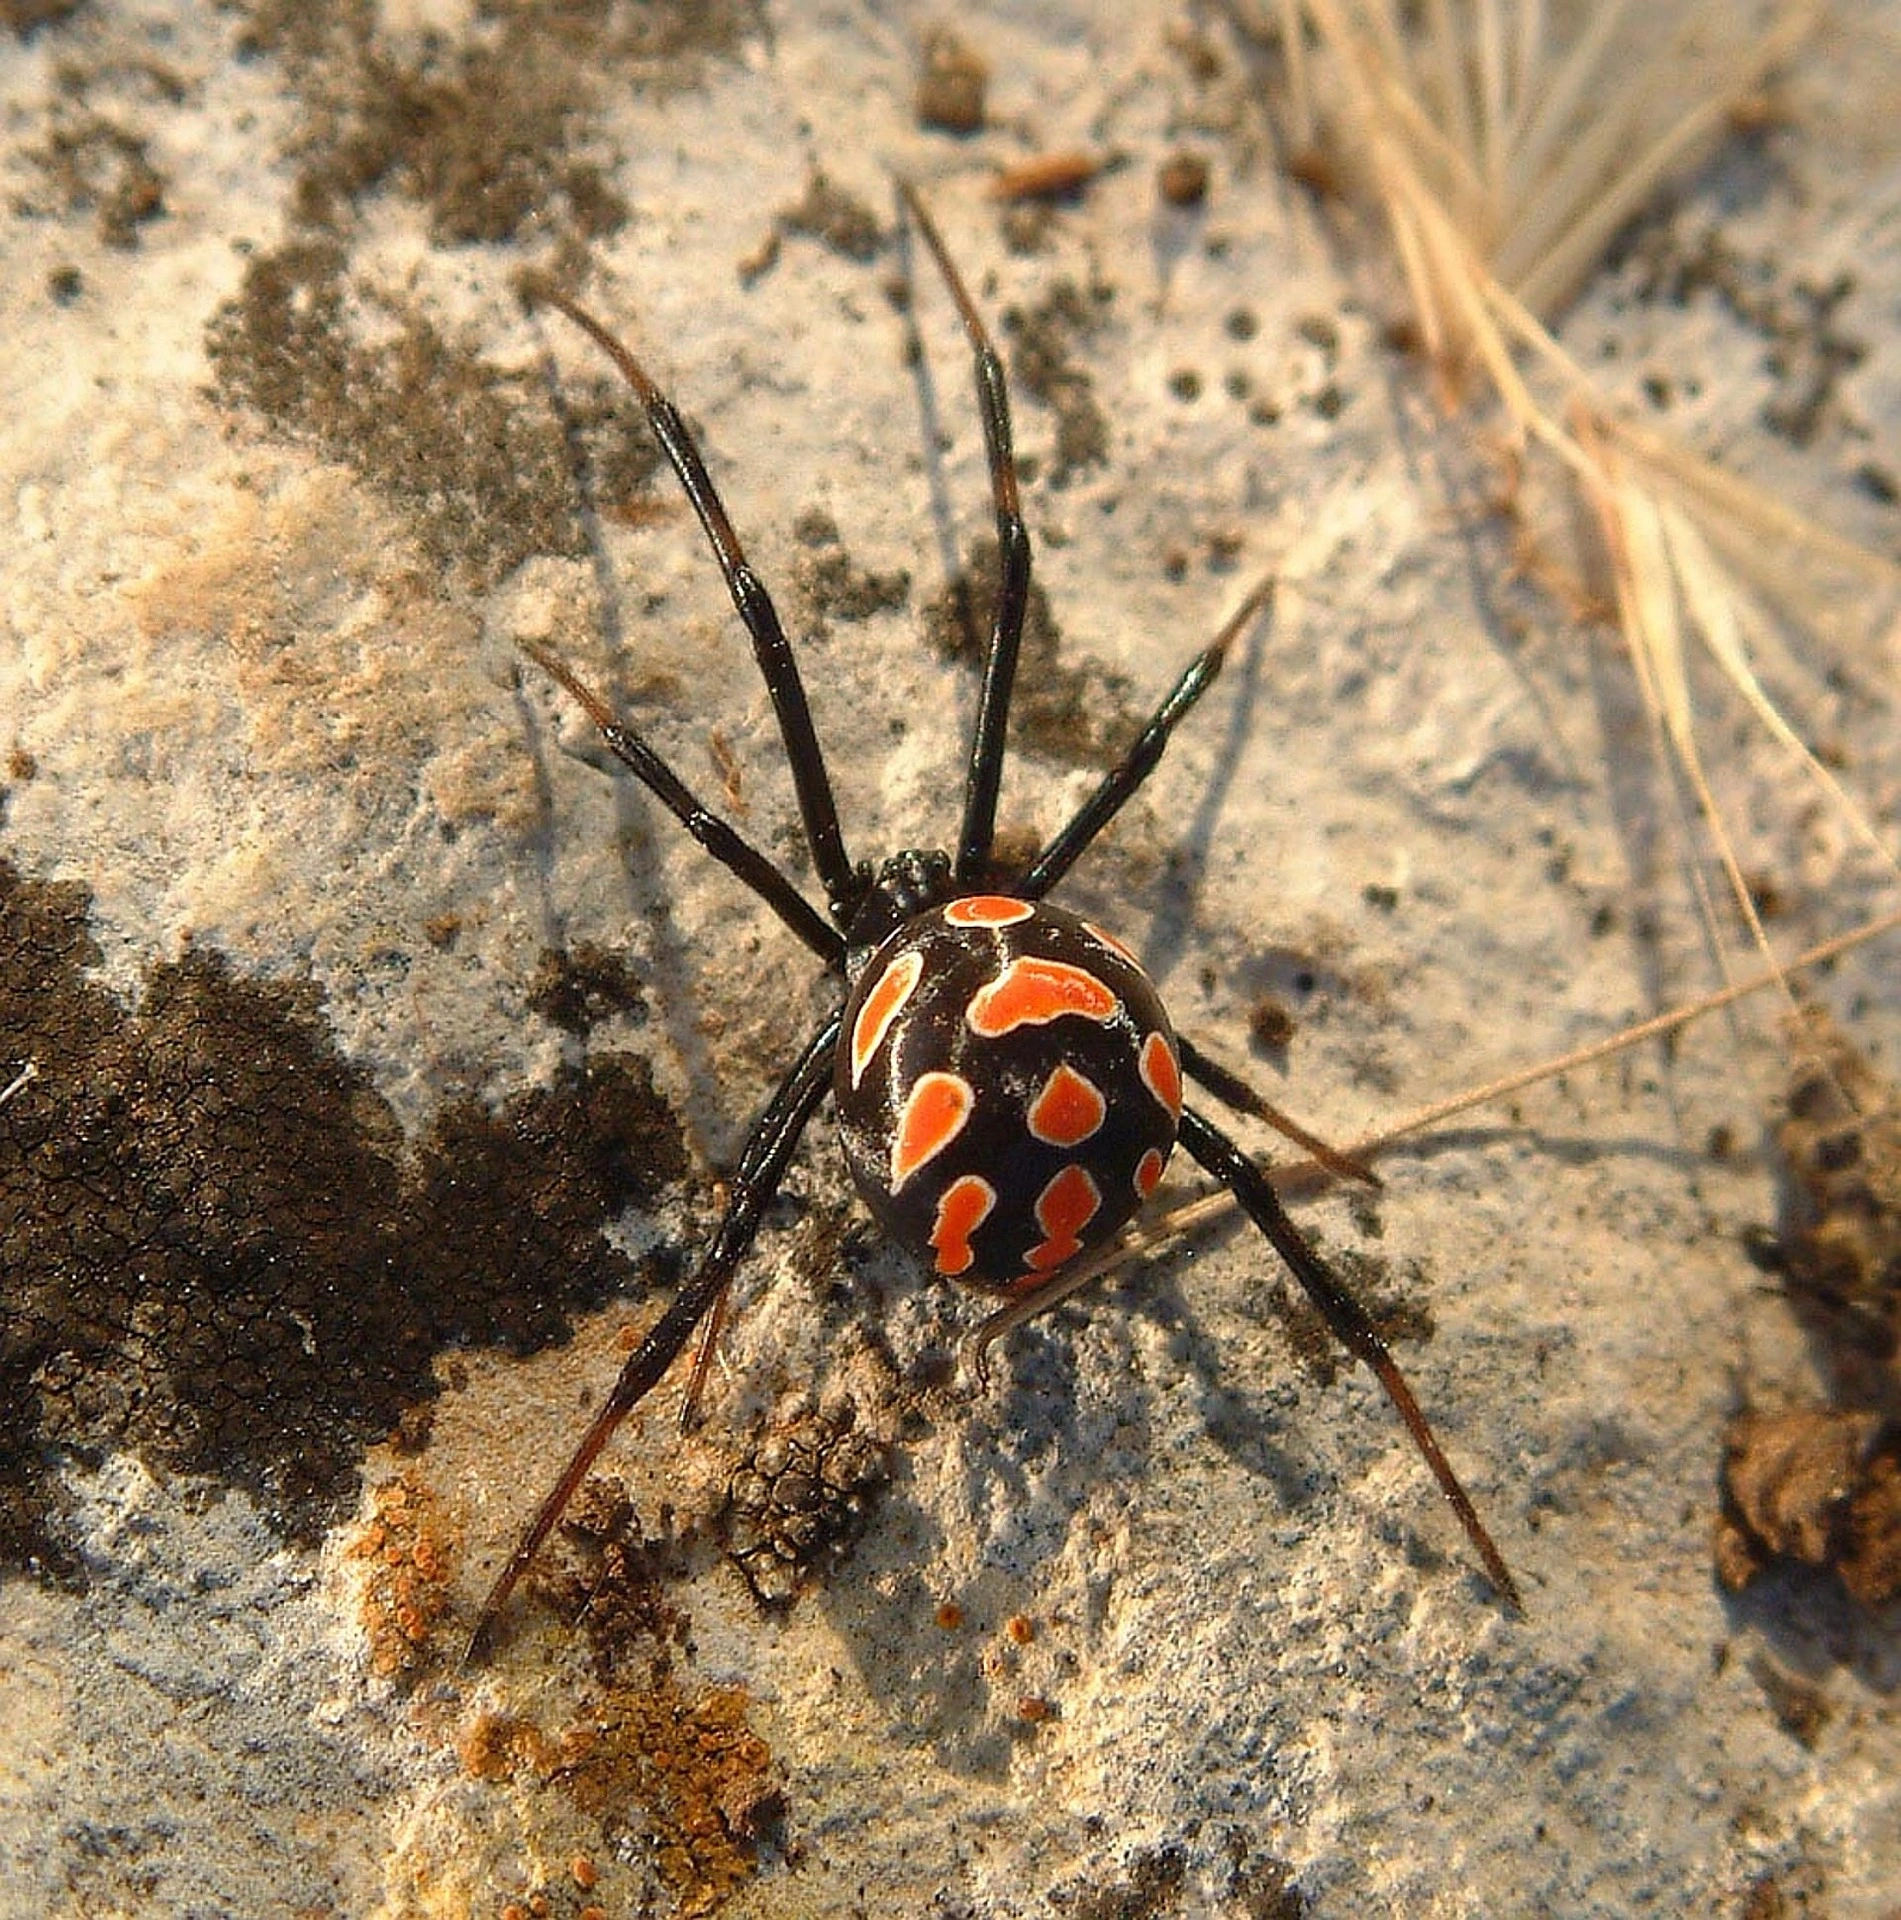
<point x="1167" y="1619"/>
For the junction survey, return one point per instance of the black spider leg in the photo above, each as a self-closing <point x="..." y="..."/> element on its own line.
<point x="1118" y="786"/>
<point x="1235" y="1093"/>
<point x="843" y="885"/>
<point x="985" y="775"/>
<point x="769" y="1147"/>
<point x="1120" y="783"/>
<point x="1350" y="1322"/>
<point x="723" y="841"/>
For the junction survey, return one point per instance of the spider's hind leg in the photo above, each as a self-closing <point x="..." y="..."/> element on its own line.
<point x="1352" y="1326"/>
<point x="762" y="1164"/>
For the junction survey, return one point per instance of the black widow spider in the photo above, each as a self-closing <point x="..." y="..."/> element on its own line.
<point x="1007" y="1082"/>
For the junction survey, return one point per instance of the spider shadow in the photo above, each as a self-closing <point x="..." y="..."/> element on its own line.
<point x="1049" y="1358"/>
<point x="638" y="830"/>
<point x="1019" y="1457"/>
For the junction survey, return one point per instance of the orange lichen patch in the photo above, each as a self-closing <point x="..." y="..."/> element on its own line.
<point x="949" y="1615"/>
<point x="935" y="1111"/>
<point x="1148" y="1171"/>
<point x="502" y="1746"/>
<point x="1063" y="1209"/>
<point x="1162" y="1074"/>
<point x="1032" y="992"/>
<point x="408" y="1551"/>
<point x="963" y="1209"/>
<point x="704" y="1779"/>
<point x="1068" y="1109"/>
<point x="881" y="1006"/>
<point x="987" y="910"/>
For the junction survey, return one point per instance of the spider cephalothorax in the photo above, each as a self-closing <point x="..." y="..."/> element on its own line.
<point x="1007" y="1082"/>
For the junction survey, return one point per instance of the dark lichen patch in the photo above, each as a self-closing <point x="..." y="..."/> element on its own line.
<point x="1074" y="715"/>
<point x="221" y="1254"/>
<point x="467" y="451"/>
<point x="831" y="585"/>
<point x="608" y="1580"/>
<point x="93" y="163"/>
<point x="1043" y="365"/>
<point x="578" y="987"/>
<point x="490" y="132"/>
<point x="798" y="1498"/>
<point x="1801" y="1708"/>
<point x="951" y="83"/>
<point x="1263" y="1888"/>
<point x="1809" y="350"/>
<point x="1392" y="1301"/>
<point x="1819" y="1486"/>
<point x="1841" y="1237"/>
<point x="22" y="17"/>
<point x="1150" y="1886"/>
<point x="829" y="213"/>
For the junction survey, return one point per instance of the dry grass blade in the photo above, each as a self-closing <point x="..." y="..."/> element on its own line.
<point x="1306" y="1177"/>
<point x="1503" y="159"/>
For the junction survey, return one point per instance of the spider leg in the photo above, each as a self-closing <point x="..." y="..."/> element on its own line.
<point x="1234" y="1092"/>
<point x="1351" y="1324"/>
<point x="985" y="775"/>
<point x="1033" y="1301"/>
<point x="730" y="848"/>
<point x="762" y="1165"/>
<point x="703" y="1355"/>
<point x="819" y="811"/>
<point x="1121" y="782"/>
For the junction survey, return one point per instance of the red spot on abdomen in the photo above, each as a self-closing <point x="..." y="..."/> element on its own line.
<point x="987" y="910"/>
<point x="1031" y="992"/>
<point x="1162" y="1074"/>
<point x="880" y="1007"/>
<point x="934" y="1114"/>
<point x="1063" y="1209"/>
<point x="1067" y="1110"/>
<point x="963" y="1209"/>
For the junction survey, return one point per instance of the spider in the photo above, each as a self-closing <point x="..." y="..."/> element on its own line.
<point x="1007" y="1082"/>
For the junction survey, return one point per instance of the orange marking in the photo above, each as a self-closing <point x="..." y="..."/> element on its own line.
<point x="987" y="910"/>
<point x="1162" y="1074"/>
<point x="963" y="1209"/>
<point x="1063" y="1209"/>
<point x="1148" y="1171"/>
<point x="1032" y="992"/>
<point x="934" y="1114"/>
<point x="1068" y="1110"/>
<point x="881" y="1006"/>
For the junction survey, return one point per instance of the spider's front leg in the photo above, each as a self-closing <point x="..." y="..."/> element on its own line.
<point x="984" y="777"/>
<point x="762" y="1166"/>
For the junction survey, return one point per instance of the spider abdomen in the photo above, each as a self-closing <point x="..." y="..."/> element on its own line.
<point x="1008" y="1088"/>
